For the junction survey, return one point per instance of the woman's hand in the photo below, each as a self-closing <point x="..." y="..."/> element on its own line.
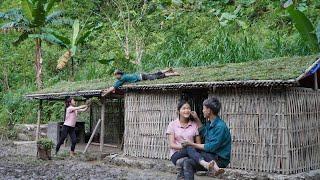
<point x="88" y="102"/>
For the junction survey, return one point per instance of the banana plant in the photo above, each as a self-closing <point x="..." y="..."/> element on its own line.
<point x="305" y="27"/>
<point x="71" y="43"/>
<point x="30" y="19"/>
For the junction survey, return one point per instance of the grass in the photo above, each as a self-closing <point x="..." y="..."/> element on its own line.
<point x="285" y="68"/>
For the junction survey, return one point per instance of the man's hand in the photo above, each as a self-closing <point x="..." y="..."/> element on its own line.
<point x="104" y="93"/>
<point x="196" y="118"/>
<point x="186" y="143"/>
<point x="195" y="115"/>
<point x="108" y="91"/>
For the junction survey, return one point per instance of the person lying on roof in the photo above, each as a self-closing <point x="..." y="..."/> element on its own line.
<point x="123" y="78"/>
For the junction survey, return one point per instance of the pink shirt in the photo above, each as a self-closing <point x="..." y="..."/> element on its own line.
<point x="71" y="117"/>
<point x="182" y="133"/>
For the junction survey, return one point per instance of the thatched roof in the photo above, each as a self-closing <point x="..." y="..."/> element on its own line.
<point x="286" y="71"/>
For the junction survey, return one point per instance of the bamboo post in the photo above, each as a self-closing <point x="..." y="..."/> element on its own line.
<point x="315" y="81"/>
<point x="102" y="125"/>
<point x="91" y="137"/>
<point x="38" y="120"/>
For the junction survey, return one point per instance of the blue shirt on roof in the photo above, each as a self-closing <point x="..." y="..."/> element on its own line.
<point x="127" y="78"/>
<point x="217" y="139"/>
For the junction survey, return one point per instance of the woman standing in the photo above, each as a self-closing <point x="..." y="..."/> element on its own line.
<point x="70" y="123"/>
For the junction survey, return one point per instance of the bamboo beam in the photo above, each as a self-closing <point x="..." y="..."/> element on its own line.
<point x="91" y="137"/>
<point x="316" y="81"/>
<point x="106" y="145"/>
<point x="102" y="124"/>
<point x="38" y="120"/>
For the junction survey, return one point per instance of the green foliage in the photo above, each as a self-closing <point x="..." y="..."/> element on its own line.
<point x="303" y="25"/>
<point x="182" y="33"/>
<point x="7" y="133"/>
<point x="45" y="143"/>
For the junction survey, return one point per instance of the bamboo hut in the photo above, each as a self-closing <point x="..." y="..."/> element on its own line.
<point x="271" y="106"/>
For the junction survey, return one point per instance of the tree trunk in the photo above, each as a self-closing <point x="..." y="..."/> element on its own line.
<point x="5" y="79"/>
<point x="38" y="64"/>
<point x="126" y="48"/>
<point x="72" y="67"/>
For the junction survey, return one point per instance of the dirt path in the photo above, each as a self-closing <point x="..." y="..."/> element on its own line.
<point x="16" y="166"/>
<point x="19" y="162"/>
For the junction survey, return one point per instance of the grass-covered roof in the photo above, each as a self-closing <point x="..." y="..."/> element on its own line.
<point x="286" y="68"/>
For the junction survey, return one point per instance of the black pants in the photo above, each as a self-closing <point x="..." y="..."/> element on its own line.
<point x="157" y="75"/>
<point x="72" y="133"/>
<point x="178" y="155"/>
<point x="191" y="165"/>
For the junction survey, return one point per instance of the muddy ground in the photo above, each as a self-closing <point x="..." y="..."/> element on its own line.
<point x="13" y="165"/>
<point x="18" y="161"/>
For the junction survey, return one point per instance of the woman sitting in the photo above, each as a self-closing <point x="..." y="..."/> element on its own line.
<point x="184" y="129"/>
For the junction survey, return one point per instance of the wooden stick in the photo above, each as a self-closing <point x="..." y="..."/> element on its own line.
<point x="106" y="145"/>
<point x="102" y="124"/>
<point x="38" y="120"/>
<point x="91" y="137"/>
<point x="315" y="81"/>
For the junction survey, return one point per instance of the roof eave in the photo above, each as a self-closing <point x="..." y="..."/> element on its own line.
<point x="195" y="85"/>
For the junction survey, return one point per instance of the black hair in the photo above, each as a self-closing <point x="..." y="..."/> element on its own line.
<point x="116" y="72"/>
<point x="214" y="104"/>
<point x="68" y="101"/>
<point x="67" y="104"/>
<point x="180" y="104"/>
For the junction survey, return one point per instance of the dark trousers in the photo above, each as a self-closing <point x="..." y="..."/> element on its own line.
<point x="194" y="155"/>
<point x="178" y="155"/>
<point x="72" y="133"/>
<point x="157" y="75"/>
<point x="191" y="165"/>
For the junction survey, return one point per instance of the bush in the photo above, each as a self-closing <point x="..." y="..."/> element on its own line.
<point x="45" y="143"/>
<point x="6" y="133"/>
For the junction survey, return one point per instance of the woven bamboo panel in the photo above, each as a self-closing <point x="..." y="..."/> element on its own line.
<point x="273" y="130"/>
<point x="256" y="118"/>
<point x="114" y="120"/>
<point x="146" y="119"/>
<point x="303" y="114"/>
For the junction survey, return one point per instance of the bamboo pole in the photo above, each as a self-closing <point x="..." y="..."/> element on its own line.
<point x="38" y="120"/>
<point x="102" y="124"/>
<point x="315" y="81"/>
<point x="91" y="137"/>
<point x="106" y="145"/>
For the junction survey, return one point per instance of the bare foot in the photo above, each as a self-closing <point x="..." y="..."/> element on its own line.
<point x="214" y="169"/>
<point x="169" y="70"/>
<point x="72" y="154"/>
<point x="176" y="73"/>
<point x="220" y="171"/>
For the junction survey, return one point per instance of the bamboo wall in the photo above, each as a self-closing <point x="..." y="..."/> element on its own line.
<point x="273" y="130"/>
<point x="303" y="116"/>
<point x="146" y="119"/>
<point x="256" y="118"/>
<point x="114" y="120"/>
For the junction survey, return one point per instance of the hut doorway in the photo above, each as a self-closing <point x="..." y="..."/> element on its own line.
<point x="196" y="98"/>
<point x="114" y="121"/>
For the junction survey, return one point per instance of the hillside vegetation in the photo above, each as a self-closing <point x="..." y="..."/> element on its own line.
<point x="144" y="35"/>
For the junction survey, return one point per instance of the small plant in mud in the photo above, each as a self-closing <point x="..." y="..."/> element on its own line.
<point x="45" y="143"/>
<point x="6" y="133"/>
<point x="44" y="146"/>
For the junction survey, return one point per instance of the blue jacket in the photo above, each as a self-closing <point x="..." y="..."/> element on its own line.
<point x="127" y="78"/>
<point x="217" y="139"/>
